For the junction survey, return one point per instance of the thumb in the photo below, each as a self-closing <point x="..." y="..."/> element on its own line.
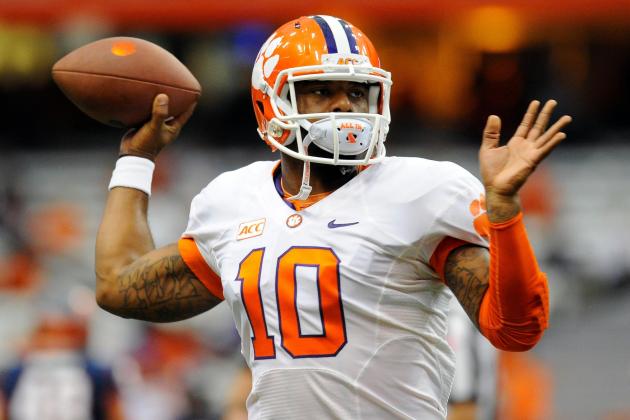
<point x="491" y="133"/>
<point x="160" y="111"/>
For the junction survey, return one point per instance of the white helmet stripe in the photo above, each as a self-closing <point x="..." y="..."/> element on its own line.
<point x="341" y="38"/>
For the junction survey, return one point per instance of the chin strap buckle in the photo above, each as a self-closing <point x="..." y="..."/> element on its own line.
<point x="303" y="194"/>
<point x="305" y="188"/>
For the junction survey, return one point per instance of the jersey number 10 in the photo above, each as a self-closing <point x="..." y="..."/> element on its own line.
<point x="333" y="336"/>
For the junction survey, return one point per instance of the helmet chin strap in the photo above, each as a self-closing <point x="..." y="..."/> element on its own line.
<point x="315" y="132"/>
<point x="305" y="188"/>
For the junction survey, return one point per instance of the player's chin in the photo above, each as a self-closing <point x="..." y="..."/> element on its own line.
<point x="324" y="168"/>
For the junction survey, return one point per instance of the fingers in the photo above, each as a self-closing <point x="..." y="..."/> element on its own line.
<point x="528" y="119"/>
<point x="174" y="125"/>
<point x="160" y="111"/>
<point x="183" y="118"/>
<point x="130" y="133"/>
<point x="542" y="120"/>
<point x="551" y="144"/>
<point x="550" y="134"/>
<point x="491" y="133"/>
<point x="552" y="137"/>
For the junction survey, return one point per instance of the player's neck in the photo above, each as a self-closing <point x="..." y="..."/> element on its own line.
<point x="323" y="179"/>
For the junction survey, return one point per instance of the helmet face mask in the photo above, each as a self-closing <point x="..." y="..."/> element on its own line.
<point x="320" y="48"/>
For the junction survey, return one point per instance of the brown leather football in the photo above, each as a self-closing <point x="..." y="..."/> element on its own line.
<point x="115" y="80"/>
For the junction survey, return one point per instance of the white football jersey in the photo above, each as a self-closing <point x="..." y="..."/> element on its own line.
<point x="340" y="313"/>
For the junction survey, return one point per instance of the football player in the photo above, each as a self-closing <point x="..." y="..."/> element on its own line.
<point x="338" y="262"/>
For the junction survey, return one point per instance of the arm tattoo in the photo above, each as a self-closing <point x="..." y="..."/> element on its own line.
<point x="466" y="272"/>
<point x="163" y="290"/>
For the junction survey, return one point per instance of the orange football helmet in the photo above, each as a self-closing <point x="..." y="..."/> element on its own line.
<point x="320" y="48"/>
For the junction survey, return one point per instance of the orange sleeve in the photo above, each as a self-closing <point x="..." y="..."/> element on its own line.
<point x="514" y="311"/>
<point x="197" y="264"/>
<point x="438" y="259"/>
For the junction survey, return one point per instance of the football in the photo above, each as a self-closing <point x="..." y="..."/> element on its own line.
<point x="114" y="80"/>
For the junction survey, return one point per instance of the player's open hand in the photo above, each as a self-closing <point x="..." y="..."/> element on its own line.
<point x="160" y="131"/>
<point x="504" y="169"/>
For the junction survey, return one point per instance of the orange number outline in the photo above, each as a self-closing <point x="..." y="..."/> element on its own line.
<point x="296" y="344"/>
<point x="333" y="337"/>
<point x="263" y="343"/>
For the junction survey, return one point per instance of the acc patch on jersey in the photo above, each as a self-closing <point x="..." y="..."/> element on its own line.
<point x="250" y="229"/>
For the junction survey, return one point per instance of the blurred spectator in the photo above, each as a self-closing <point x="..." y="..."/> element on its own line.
<point x="474" y="391"/>
<point x="154" y="382"/>
<point x="19" y="269"/>
<point x="55" y="380"/>
<point x="526" y="388"/>
<point x="235" y="407"/>
<point x="540" y="203"/>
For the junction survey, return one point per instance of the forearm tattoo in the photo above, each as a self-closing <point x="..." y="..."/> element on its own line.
<point x="466" y="272"/>
<point x="162" y="290"/>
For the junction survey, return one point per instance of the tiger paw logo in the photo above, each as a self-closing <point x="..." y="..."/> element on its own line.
<point x="481" y="223"/>
<point x="266" y="62"/>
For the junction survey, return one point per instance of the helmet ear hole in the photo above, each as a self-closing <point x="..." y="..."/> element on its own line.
<point x="261" y="107"/>
<point x="259" y="112"/>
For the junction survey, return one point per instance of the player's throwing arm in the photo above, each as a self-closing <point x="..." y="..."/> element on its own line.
<point x="135" y="280"/>
<point x="125" y="82"/>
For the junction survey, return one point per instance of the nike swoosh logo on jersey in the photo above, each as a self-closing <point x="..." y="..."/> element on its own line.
<point x="334" y="225"/>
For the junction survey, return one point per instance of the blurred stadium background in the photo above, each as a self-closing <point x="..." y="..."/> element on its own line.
<point x="453" y="63"/>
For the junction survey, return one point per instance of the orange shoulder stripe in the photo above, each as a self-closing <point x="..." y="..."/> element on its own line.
<point x="438" y="259"/>
<point x="198" y="265"/>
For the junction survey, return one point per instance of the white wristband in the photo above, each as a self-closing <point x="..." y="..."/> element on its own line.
<point x="133" y="172"/>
